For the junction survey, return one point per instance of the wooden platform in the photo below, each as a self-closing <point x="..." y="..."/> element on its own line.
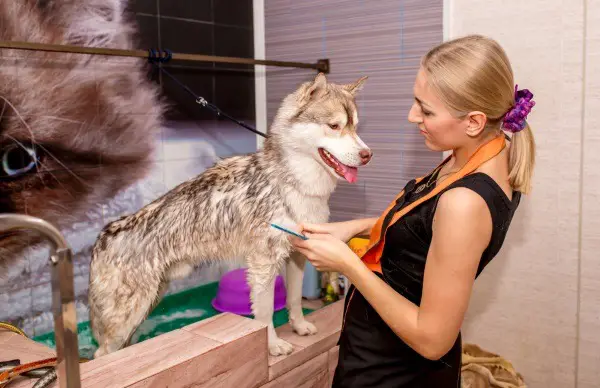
<point x="223" y="351"/>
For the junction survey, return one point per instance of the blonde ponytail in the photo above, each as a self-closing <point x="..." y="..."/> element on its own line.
<point x="521" y="160"/>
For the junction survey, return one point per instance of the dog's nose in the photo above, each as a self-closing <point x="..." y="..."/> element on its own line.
<point x="365" y="155"/>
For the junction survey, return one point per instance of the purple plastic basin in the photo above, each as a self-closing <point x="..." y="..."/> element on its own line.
<point x="233" y="293"/>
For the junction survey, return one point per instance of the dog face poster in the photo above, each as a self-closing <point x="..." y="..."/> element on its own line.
<point x="86" y="139"/>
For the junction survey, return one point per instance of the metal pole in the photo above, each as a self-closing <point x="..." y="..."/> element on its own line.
<point x="321" y="65"/>
<point x="63" y="295"/>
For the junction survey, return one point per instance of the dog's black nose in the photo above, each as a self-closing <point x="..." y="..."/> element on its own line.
<point x="365" y="155"/>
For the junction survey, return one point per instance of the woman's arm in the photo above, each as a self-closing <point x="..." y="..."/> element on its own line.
<point x="364" y="226"/>
<point x="462" y="229"/>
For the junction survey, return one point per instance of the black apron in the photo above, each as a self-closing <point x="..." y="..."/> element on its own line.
<point x="371" y="354"/>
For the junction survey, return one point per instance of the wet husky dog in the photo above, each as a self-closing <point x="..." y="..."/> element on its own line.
<point x="225" y="212"/>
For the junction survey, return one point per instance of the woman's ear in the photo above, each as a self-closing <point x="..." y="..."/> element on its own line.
<point x="475" y="123"/>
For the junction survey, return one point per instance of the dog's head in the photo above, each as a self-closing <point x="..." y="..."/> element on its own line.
<point x="322" y="120"/>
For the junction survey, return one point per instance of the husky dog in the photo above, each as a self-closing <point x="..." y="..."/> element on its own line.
<point x="226" y="213"/>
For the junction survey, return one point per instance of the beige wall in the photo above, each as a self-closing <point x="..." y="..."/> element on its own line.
<point x="589" y="323"/>
<point x="538" y="303"/>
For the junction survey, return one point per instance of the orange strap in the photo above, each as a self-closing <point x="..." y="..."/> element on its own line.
<point x="9" y="375"/>
<point x="371" y="253"/>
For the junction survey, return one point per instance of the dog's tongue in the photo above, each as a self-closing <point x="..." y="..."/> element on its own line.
<point x="350" y="173"/>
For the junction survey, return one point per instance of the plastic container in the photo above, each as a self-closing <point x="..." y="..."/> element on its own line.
<point x="311" y="284"/>
<point x="233" y="293"/>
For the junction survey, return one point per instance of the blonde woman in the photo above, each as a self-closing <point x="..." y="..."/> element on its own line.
<point x="410" y="291"/>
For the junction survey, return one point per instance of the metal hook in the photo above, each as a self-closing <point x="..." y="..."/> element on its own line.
<point x="201" y="101"/>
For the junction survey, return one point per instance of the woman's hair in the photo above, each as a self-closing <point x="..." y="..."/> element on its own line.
<point x="473" y="73"/>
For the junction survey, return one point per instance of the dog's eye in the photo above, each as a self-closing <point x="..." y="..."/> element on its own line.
<point x="17" y="160"/>
<point x="334" y="126"/>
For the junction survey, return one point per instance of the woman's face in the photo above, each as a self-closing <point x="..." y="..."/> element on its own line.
<point x="441" y="130"/>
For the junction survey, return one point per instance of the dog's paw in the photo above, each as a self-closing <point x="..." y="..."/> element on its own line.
<point x="100" y="352"/>
<point x="279" y="347"/>
<point x="304" y="327"/>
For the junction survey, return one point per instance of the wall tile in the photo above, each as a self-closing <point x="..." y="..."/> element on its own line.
<point x="182" y="105"/>
<point x="234" y="12"/>
<point x="234" y="42"/>
<point x="198" y="40"/>
<point x="196" y="10"/>
<point x="143" y="6"/>
<point x="234" y="89"/>
<point x="146" y="36"/>
<point x="234" y="93"/>
<point x="183" y="36"/>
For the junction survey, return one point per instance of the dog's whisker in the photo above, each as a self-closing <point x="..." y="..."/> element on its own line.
<point x="64" y="166"/>
<point x="78" y="134"/>
<point x="59" y="182"/>
<point x="62" y="119"/>
<point x="2" y="113"/>
<point x="6" y="101"/>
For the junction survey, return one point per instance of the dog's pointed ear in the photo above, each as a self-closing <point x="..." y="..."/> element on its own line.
<point x="355" y="87"/>
<point x="315" y="89"/>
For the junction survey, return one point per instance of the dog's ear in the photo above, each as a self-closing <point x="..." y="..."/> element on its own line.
<point x="315" y="89"/>
<point x="355" y="87"/>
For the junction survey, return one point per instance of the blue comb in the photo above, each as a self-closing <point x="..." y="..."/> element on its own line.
<point x="289" y="231"/>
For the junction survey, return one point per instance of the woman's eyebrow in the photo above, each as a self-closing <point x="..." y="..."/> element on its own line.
<point x="422" y="102"/>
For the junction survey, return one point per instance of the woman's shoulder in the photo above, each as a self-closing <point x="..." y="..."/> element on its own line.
<point x="461" y="201"/>
<point x="464" y="209"/>
<point x="478" y="196"/>
<point x="492" y="188"/>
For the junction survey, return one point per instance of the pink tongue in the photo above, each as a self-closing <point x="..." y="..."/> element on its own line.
<point x="350" y="173"/>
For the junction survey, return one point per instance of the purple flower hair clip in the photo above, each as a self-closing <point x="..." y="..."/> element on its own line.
<point x="515" y="119"/>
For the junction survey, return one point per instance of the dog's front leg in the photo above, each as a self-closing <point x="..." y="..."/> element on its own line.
<point x="294" y="275"/>
<point x="261" y="279"/>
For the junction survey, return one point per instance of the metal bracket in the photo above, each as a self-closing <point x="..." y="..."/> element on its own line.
<point x="323" y="66"/>
<point x="65" y="318"/>
<point x="63" y="295"/>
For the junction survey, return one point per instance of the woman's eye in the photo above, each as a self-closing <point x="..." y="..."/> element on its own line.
<point x="334" y="126"/>
<point x="427" y="113"/>
<point x="17" y="160"/>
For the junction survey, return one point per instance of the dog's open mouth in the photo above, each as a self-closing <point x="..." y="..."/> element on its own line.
<point x="347" y="172"/>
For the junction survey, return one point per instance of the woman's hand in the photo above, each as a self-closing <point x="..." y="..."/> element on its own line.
<point x="326" y="252"/>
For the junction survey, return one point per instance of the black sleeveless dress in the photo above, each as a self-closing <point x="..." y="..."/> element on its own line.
<point x="371" y="354"/>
